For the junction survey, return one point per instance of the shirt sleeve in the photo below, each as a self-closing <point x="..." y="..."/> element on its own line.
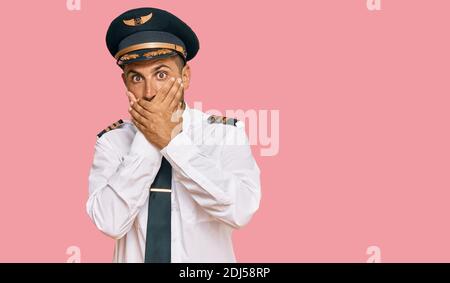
<point x="119" y="186"/>
<point x="227" y="188"/>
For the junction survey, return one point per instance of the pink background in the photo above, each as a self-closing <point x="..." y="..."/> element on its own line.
<point x="363" y="99"/>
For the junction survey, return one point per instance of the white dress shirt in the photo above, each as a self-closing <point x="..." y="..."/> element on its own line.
<point x="215" y="188"/>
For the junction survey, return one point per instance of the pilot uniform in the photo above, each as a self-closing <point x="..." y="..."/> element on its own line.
<point x="181" y="203"/>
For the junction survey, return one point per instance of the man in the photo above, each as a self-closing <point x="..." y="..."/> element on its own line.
<point x="171" y="184"/>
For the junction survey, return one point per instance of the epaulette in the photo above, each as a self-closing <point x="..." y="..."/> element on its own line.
<point x="222" y="120"/>
<point x="110" y="127"/>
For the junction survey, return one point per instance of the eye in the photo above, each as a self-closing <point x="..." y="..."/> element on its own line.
<point x="161" y="75"/>
<point x="136" y="78"/>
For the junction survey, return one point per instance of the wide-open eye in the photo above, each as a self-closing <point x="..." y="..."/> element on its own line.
<point x="161" y="75"/>
<point x="136" y="78"/>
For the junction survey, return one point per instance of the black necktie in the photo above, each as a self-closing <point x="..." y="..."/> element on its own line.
<point x="157" y="245"/>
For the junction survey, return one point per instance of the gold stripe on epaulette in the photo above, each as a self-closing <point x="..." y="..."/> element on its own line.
<point x="222" y="120"/>
<point x="110" y="127"/>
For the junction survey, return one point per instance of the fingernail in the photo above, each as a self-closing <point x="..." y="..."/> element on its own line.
<point x="129" y="109"/>
<point x="131" y="103"/>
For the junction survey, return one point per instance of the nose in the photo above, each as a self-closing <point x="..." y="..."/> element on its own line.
<point x="149" y="94"/>
<point x="148" y="97"/>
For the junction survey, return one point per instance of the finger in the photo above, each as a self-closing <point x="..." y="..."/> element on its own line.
<point x="135" y="115"/>
<point x="131" y="97"/>
<point x="172" y="93"/>
<point x="145" y="104"/>
<point x="162" y="92"/>
<point x="174" y="104"/>
<point x="128" y="96"/>
<point x="140" y="110"/>
<point x="177" y="117"/>
<point x="138" y="125"/>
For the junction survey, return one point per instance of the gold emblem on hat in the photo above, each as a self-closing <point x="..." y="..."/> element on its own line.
<point x="157" y="52"/>
<point x="138" y="21"/>
<point x="129" y="57"/>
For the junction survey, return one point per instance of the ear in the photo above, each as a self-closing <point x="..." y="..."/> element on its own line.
<point x="124" y="79"/>
<point x="186" y="76"/>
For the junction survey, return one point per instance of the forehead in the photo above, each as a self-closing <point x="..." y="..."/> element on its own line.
<point x="151" y="64"/>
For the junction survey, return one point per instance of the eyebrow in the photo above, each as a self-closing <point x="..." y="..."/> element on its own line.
<point x="133" y="72"/>
<point x="158" y="67"/>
